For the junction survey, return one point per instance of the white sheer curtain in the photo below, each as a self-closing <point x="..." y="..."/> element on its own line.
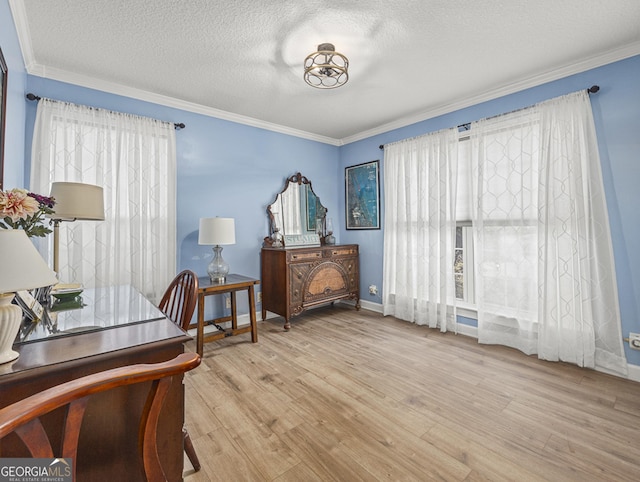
<point x="419" y="229"/>
<point x="578" y="308"/>
<point x="134" y="160"/>
<point x="504" y="158"/>
<point x="545" y="272"/>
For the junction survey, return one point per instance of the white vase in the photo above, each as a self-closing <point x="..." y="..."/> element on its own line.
<point x="10" y="319"/>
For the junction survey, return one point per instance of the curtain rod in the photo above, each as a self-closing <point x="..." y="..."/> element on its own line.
<point x="591" y="90"/>
<point x="31" y="96"/>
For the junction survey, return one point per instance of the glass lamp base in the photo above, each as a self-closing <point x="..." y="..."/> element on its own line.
<point x="218" y="268"/>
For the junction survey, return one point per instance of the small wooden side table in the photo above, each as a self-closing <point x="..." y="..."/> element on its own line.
<point x="232" y="284"/>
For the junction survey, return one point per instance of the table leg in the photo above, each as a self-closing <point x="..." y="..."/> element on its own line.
<point x="234" y="312"/>
<point x="252" y="315"/>
<point x="200" y="332"/>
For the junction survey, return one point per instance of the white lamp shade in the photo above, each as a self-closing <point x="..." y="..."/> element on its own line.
<point x="217" y="231"/>
<point x="21" y="266"/>
<point x="75" y="200"/>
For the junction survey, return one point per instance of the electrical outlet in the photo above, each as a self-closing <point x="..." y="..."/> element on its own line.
<point x="259" y="296"/>
<point x="227" y="302"/>
<point x="634" y="341"/>
<point x="373" y="290"/>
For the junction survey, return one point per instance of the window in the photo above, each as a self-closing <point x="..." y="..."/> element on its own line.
<point x="463" y="266"/>
<point x="133" y="159"/>
<point x="507" y="224"/>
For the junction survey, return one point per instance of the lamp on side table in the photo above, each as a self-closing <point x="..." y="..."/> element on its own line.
<point x="217" y="231"/>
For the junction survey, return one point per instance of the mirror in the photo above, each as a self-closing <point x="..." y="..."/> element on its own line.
<point x="296" y="210"/>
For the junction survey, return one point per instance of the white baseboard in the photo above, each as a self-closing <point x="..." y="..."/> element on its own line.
<point x="467" y="330"/>
<point x="634" y="373"/>
<point x="367" y="305"/>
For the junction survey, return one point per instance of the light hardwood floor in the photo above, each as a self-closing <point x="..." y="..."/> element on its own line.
<point x="351" y="396"/>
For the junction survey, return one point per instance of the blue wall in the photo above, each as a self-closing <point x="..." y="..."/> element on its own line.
<point x="223" y="169"/>
<point x="14" y="132"/>
<point x="228" y="169"/>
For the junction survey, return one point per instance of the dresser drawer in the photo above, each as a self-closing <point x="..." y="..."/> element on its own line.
<point x="341" y="251"/>
<point x="297" y="256"/>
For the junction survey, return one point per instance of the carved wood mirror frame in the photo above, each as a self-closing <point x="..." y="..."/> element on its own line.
<point x="3" y="113"/>
<point x="319" y="212"/>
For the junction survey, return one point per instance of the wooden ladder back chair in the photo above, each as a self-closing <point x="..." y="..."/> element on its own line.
<point x="179" y="301"/>
<point x="178" y="304"/>
<point x="23" y="417"/>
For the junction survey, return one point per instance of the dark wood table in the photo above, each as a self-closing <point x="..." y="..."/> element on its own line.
<point x="232" y="284"/>
<point x="111" y="327"/>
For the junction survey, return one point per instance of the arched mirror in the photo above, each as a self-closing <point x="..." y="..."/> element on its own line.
<point x="296" y="210"/>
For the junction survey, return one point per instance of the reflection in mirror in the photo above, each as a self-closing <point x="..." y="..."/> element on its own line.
<point x="296" y="210"/>
<point x="286" y="210"/>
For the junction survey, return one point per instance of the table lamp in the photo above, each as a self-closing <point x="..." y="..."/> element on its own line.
<point x="21" y="268"/>
<point x="217" y="231"/>
<point x="74" y="201"/>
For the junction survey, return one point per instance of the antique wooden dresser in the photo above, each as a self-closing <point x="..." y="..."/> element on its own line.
<point x="294" y="279"/>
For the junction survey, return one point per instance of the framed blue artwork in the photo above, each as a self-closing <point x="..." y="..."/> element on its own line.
<point x="362" y="191"/>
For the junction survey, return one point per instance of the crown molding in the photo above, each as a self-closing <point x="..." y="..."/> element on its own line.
<point x="32" y="67"/>
<point x="91" y="82"/>
<point x="611" y="56"/>
<point x="22" y="29"/>
<point x="139" y="94"/>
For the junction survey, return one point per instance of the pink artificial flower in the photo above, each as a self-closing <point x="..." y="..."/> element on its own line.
<point x="17" y="204"/>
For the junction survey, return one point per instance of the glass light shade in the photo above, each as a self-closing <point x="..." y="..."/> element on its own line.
<point x="329" y="227"/>
<point x="326" y="68"/>
<point x="75" y="200"/>
<point x="217" y="231"/>
<point x="329" y="238"/>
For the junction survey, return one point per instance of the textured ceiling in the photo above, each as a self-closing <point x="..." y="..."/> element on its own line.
<point x="242" y="59"/>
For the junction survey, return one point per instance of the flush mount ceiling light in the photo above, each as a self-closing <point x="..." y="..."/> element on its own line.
<point x="326" y="68"/>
